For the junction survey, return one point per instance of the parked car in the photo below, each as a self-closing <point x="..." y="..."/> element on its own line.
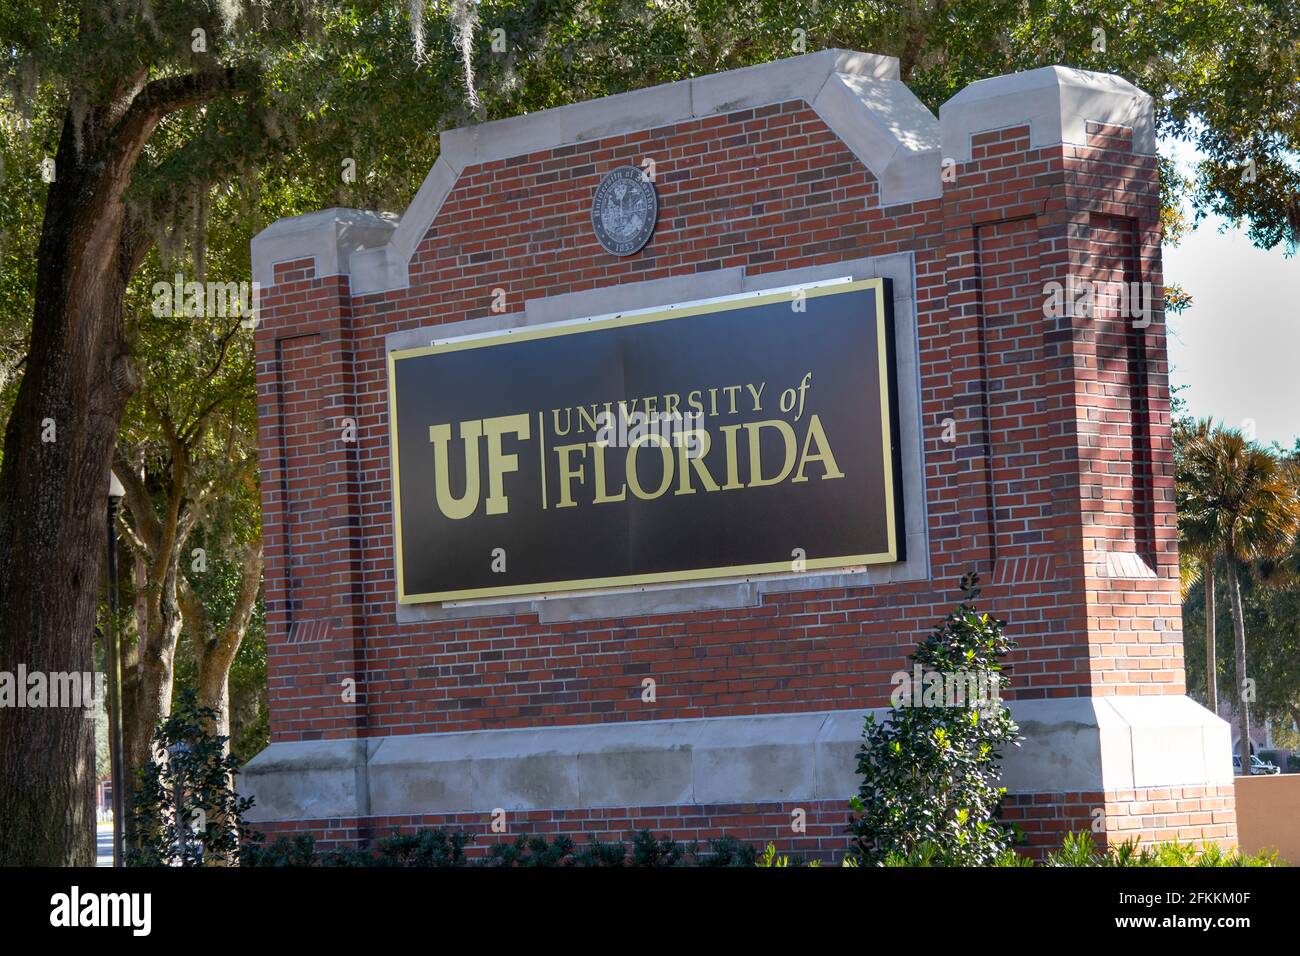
<point x="1286" y="760"/>
<point x="1258" y="768"/>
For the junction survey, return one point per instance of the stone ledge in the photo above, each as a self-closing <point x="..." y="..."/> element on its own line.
<point x="1072" y="745"/>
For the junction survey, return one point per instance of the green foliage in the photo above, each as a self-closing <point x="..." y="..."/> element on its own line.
<point x="1240" y="503"/>
<point x="930" y="774"/>
<point x="443" y="848"/>
<point x="929" y="854"/>
<point x="599" y="854"/>
<point x="728" y="851"/>
<point x="212" y="823"/>
<point x="438" y="848"/>
<point x="1272" y="622"/>
<point x="1079" y="849"/>
<point x="1235" y="498"/>
<point x="423" y="848"/>
<point x="770" y="859"/>
<point x="531" y="852"/>
<point x="647" y="850"/>
<point x="298" y="850"/>
<point x="1010" y="858"/>
<point x="217" y="588"/>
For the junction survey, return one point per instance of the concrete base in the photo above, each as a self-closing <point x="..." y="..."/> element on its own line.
<point x="1072" y="745"/>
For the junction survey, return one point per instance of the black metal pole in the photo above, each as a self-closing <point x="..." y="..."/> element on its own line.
<point x="178" y="752"/>
<point x="111" y="663"/>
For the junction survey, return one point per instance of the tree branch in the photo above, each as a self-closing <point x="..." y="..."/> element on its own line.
<point x="148" y="529"/>
<point x="166" y="95"/>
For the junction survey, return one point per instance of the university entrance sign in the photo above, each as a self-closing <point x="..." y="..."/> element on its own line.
<point x="652" y="566"/>
<point x="746" y="436"/>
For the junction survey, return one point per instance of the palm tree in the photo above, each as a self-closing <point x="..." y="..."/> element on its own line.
<point x="1196" y="567"/>
<point x="1196" y="553"/>
<point x="1240" y="502"/>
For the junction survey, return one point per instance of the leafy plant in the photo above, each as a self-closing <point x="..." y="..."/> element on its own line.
<point x="191" y="762"/>
<point x="770" y="859"/>
<point x="532" y="851"/>
<point x="438" y="848"/>
<point x="443" y="848"/>
<point x="648" y="850"/>
<point x="727" y="851"/>
<point x="297" y="850"/>
<point x="1079" y="849"/>
<point x="929" y="792"/>
<point x="601" y="854"/>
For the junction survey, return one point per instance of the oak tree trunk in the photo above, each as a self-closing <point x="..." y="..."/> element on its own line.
<point x="58" y="452"/>
<point x="53" y="510"/>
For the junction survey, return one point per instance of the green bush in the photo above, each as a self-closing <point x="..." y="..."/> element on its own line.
<point x="597" y="853"/>
<point x="299" y="850"/>
<point x="730" y="852"/>
<point x="442" y="848"/>
<point x="212" y="830"/>
<point x="532" y="851"/>
<point x="770" y="859"/>
<point x="930" y="769"/>
<point x="1079" y="849"/>
<point x="438" y="848"/>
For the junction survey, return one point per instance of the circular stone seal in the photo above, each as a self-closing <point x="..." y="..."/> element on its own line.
<point x="624" y="211"/>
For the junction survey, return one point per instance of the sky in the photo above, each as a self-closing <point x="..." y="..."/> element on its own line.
<point x="1237" y="349"/>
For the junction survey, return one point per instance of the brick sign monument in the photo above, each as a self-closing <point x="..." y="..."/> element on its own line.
<point x="609" y="486"/>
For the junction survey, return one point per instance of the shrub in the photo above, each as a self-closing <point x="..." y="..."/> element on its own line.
<point x="299" y="850"/>
<point x="424" y="848"/>
<point x="438" y="848"/>
<point x="770" y="859"/>
<point x="730" y="852"/>
<point x="212" y="828"/>
<point x="532" y="851"/>
<point x="648" y="850"/>
<point x="930" y="771"/>
<point x="1079" y="849"/>
<point x="597" y="853"/>
<point x="442" y="848"/>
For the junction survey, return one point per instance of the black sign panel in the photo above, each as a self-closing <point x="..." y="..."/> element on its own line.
<point x="733" y="438"/>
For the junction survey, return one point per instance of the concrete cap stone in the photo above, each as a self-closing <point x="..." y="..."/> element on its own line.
<point x="329" y="236"/>
<point x="1056" y="102"/>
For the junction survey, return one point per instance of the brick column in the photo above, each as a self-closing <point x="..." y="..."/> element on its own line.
<point x="1055" y="204"/>
<point x="310" y="494"/>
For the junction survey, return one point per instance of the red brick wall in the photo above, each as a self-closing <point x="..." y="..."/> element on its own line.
<point x="1147" y="814"/>
<point x="1044" y="477"/>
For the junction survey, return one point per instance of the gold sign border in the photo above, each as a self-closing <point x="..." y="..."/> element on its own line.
<point x="661" y="577"/>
